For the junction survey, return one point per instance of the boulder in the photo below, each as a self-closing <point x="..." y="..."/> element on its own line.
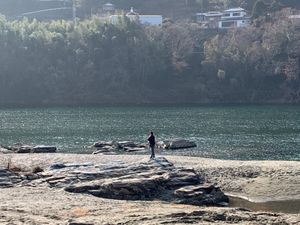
<point x="101" y="144"/>
<point x="134" y="149"/>
<point x="43" y="149"/>
<point x="177" y="144"/>
<point x="20" y="148"/>
<point x="124" y="144"/>
<point x="5" y="150"/>
<point x="153" y="179"/>
<point x="201" y="195"/>
<point x="163" y="144"/>
<point x="24" y="149"/>
<point x="112" y="146"/>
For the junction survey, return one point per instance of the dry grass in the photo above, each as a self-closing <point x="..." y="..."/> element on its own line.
<point x="10" y="166"/>
<point x="13" y="167"/>
<point x="37" y="169"/>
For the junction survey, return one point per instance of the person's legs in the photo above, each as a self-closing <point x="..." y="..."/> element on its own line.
<point x="152" y="152"/>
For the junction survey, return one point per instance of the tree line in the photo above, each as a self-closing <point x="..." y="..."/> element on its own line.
<point x="97" y="62"/>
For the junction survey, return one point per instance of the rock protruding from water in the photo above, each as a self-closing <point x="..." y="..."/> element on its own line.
<point x="43" y="149"/>
<point x="155" y="179"/>
<point x="130" y="146"/>
<point x="177" y="144"/>
<point x="4" y="150"/>
<point x="113" y="146"/>
<point x="21" y="148"/>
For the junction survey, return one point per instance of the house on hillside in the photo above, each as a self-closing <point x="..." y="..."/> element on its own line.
<point x="234" y="18"/>
<point x="230" y="18"/>
<point x="108" y="7"/>
<point x="209" y="19"/>
<point x="295" y="20"/>
<point x="147" y="20"/>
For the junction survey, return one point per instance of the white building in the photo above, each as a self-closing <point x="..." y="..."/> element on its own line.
<point x="209" y="19"/>
<point x="234" y="18"/>
<point x="151" y="20"/>
<point x="231" y="18"/>
<point x="147" y="20"/>
<point x="295" y="20"/>
<point x="108" y="7"/>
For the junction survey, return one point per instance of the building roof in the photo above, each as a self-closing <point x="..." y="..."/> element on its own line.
<point x="239" y="9"/>
<point x="150" y="15"/>
<point x="294" y="17"/>
<point x="212" y="13"/>
<point x="108" y="4"/>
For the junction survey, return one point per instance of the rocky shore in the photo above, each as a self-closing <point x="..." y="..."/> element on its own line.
<point x="102" y="147"/>
<point x="131" y="189"/>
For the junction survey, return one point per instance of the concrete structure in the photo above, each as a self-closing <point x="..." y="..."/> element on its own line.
<point x="147" y="20"/>
<point x="151" y="20"/>
<point x="295" y="20"/>
<point x="209" y="19"/>
<point x="234" y="18"/>
<point x="108" y="7"/>
<point x="231" y="18"/>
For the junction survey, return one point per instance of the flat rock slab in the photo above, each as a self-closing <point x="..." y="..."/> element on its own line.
<point x="155" y="179"/>
<point x="20" y="148"/>
<point x="176" y="144"/>
<point x="115" y="146"/>
<point x="8" y="179"/>
<point x="5" y="151"/>
<point x="43" y="149"/>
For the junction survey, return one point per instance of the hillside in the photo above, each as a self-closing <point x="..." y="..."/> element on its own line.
<point x="174" y="9"/>
<point x="97" y="62"/>
<point x="101" y="63"/>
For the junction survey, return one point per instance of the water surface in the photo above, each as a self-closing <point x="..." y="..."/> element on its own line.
<point x="288" y="206"/>
<point x="226" y="132"/>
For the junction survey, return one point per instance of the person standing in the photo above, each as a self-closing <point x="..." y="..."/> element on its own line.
<point x="151" y="140"/>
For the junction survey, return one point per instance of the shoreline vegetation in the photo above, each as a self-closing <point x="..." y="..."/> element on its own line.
<point x="258" y="181"/>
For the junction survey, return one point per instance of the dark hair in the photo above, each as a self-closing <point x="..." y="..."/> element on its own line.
<point x="151" y="132"/>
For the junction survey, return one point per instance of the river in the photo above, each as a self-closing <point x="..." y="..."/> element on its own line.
<point x="244" y="132"/>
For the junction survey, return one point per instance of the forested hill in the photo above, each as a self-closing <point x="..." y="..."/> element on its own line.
<point x="97" y="62"/>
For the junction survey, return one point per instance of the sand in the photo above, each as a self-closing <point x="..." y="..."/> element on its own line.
<point x="255" y="180"/>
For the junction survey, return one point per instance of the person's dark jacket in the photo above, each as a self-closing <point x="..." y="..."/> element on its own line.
<point x="151" y="140"/>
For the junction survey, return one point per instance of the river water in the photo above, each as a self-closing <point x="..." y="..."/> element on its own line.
<point x="264" y="132"/>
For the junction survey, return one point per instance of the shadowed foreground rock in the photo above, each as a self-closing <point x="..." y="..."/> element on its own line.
<point x="27" y="199"/>
<point x="8" y="179"/>
<point x="155" y="179"/>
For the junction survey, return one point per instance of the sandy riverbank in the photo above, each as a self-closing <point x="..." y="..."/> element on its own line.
<point x="255" y="180"/>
